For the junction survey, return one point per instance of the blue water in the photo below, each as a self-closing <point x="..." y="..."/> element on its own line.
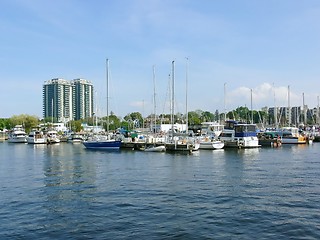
<point x="68" y="192"/>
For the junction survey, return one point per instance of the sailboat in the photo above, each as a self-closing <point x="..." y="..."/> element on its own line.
<point x="104" y="142"/>
<point x="176" y="142"/>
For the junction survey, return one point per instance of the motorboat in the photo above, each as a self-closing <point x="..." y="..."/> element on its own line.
<point x="17" y="135"/>
<point x="36" y="137"/>
<point x="239" y="135"/>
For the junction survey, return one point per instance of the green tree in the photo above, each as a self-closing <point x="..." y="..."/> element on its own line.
<point x="27" y="121"/>
<point x="5" y="123"/>
<point x="135" y="119"/>
<point x="207" y="116"/>
<point x="75" y="125"/>
<point x="114" y="122"/>
<point x="194" y="118"/>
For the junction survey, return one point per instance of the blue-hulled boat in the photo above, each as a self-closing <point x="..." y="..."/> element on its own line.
<point x="103" y="143"/>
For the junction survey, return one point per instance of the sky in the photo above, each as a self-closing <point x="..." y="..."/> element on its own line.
<point x="226" y="54"/>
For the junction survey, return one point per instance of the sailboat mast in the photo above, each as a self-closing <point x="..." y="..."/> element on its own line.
<point x="251" y="106"/>
<point x="107" y="80"/>
<point x="289" y="109"/>
<point x="304" y="111"/>
<point x="154" y="100"/>
<point x="187" y="68"/>
<point x="172" y="97"/>
<point x="225" y="109"/>
<point x="318" y="111"/>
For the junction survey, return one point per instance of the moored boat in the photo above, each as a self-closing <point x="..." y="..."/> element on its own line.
<point x="75" y="138"/>
<point x="210" y="143"/>
<point x="17" y="135"/>
<point x="52" y="137"/>
<point x="182" y="144"/>
<point x="239" y="135"/>
<point x="36" y="137"/>
<point x="155" y="148"/>
<point x="102" y="142"/>
<point x="291" y="135"/>
<point x="269" y="139"/>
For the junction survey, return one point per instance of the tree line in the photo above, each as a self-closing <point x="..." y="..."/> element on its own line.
<point x="136" y="120"/>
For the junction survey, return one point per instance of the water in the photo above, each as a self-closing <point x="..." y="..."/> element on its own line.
<point x="67" y="192"/>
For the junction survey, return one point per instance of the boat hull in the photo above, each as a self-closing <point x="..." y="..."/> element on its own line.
<point x="294" y="140"/>
<point x="211" y="145"/>
<point x="106" y="145"/>
<point x="155" y="149"/>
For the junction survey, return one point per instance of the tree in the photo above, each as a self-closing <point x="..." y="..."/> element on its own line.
<point x="136" y="119"/>
<point x="5" y="124"/>
<point x="207" y="116"/>
<point x="114" y="122"/>
<point x="194" y="118"/>
<point x="27" y="121"/>
<point x="76" y="126"/>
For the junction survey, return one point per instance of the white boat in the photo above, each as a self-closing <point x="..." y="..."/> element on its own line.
<point x="291" y="135"/>
<point x="211" y="128"/>
<point x="239" y="135"/>
<point x="210" y="143"/>
<point x="160" y="148"/>
<point x="75" y="138"/>
<point x="36" y="137"/>
<point x="52" y="137"/>
<point x="17" y="135"/>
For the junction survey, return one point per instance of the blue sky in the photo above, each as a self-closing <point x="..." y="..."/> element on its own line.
<point x="264" y="45"/>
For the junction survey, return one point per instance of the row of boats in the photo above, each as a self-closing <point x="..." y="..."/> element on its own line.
<point x="18" y="135"/>
<point x="233" y="134"/>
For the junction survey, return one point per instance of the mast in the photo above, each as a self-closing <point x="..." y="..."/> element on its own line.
<point x="251" y="107"/>
<point x="172" y="99"/>
<point x="275" y="112"/>
<point x="107" y="80"/>
<point x="225" y="110"/>
<point x="187" y="61"/>
<point x="289" y="109"/>
<point x="304" y="111"/>
<point x="154" y="100"/>
<point x="318" y="113"/>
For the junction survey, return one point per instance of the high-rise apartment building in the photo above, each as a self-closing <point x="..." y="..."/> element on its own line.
<point x="67" y="100"/>
<point x="82" y="99"/>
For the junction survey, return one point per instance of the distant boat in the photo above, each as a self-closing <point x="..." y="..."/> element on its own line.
<point x="17" y="135"/>
<point x="104" y="142"/>
<point x="210" y="131"/>
<point x="210" y="143"/>
<point x="291" y="135"/>
<point x="239" y="135"/>
<point x="270" y="139"/>
<point x="155" y="148"/>
<point x="182" y="145"/>
<point x="36" y="137"/>
<point x="52" y="137"/>
<point x="75" y="138"/>
<point x="176" y="141"/>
